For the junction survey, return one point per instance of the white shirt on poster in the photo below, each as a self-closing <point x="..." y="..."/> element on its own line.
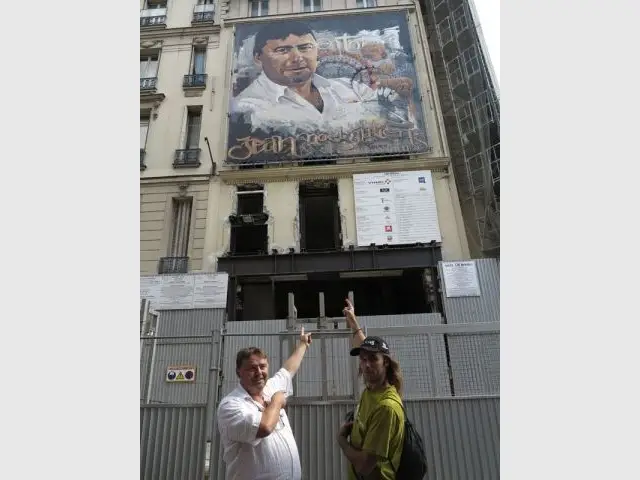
<point x="274" y="457"/>
<point x="272" y="106"/>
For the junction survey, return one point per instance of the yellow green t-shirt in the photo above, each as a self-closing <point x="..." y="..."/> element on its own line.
<point x="378" y="428"/>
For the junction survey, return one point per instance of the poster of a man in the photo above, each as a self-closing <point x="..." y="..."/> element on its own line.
<point x="332" y="86"/>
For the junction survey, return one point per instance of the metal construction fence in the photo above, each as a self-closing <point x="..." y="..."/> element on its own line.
<point x="450" y="364"/>
<point x="451" y="378"/>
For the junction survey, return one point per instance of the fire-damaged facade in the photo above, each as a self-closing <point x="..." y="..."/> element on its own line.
<point x="311" y="158"/>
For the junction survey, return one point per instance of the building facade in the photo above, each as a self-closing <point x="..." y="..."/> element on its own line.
<point x="470" y="102"/>
<point x="241" y="171"/>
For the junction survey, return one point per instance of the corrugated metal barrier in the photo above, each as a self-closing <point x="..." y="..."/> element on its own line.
<point x="172" y="442"/>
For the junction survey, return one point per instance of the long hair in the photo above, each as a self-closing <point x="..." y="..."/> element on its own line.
<point x="393" y="373"/>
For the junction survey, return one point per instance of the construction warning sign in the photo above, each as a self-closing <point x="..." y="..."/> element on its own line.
<point x="181" y="373"/>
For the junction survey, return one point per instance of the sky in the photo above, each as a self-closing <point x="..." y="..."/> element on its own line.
<point x="489" y="16"/>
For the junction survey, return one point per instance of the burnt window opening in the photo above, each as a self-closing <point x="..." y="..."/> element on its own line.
<point x="402" y="292"/>
<point x="319" y="217"/>
<point x="255" y="300"/>
<point x="248" y="225"/>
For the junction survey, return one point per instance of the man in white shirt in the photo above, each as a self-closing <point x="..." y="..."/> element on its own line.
<point x="256" y="435"/>
<point x="289" y="96"/>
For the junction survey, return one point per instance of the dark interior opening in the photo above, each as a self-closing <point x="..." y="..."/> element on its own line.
<point x="319" y="216"/>
<point x="264" y="299"/>
<point x="249" y="238"/>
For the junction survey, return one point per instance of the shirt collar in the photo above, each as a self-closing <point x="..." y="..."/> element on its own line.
<point x="275" y="91"/>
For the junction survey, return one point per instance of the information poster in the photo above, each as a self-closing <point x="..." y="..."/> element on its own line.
<point x="185" y="292"/>
<point x="460" y="279"/>
<point x="395" y="208"/>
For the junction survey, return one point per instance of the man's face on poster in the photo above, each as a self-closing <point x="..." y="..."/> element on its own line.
<point x="291" y="61"/>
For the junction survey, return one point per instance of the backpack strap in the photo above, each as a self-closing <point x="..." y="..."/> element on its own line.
<point x="395" y="472"/>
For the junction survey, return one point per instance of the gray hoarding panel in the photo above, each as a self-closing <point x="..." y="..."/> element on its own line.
<point x="461" y="437"/>
<point x="189" y="322"/>
<point x="423" y="363"/>
<point x="172" y="442"/>
<point x="486" y="307"/>
<point x="475" y="364"/>
<point x="181" y="353"/>
<point x="340" y="85"/>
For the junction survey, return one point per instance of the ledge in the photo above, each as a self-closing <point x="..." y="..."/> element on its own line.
<point x="319" y="172"/>
<point x="174" y="179"/>
<point x="147" y="33"/>
<point x="322" y="13"/>
<point x="363" y="259"/>
<point x="152" y="97"/>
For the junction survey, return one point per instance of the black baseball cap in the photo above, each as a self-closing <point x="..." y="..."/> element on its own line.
<point x="371" y="344"/>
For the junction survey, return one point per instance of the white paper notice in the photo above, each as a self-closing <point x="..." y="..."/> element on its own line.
<point x="395" y="208"/>
<point x="185" y="292"/>
<point x="210" y="291"/>
<point x="461" y="279"/>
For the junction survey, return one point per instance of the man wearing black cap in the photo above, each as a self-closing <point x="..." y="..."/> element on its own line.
<point x="372" y="442"/>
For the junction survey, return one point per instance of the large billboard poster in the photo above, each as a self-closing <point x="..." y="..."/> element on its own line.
<point x="327" y="87"/>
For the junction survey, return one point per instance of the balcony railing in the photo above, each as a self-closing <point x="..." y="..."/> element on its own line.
<point x="168" y="265"/>
<point x="148" y="84"/>
<point x="189" y="157"/>
<point x="150" y="17"/>
<point x="152" y="21"/>
<point x="195" y="80"/>
<point x="203" y="13"/>
<point x="142" y="165"/>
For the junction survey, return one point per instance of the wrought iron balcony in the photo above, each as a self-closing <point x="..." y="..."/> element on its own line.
<point x="170" y="265"/>
<point x="148" y="84"/>
<point x="203" y="13"/>
<point x="189" y="157"/>
<point x="153" y="21"/>
<point x="197" y="80"/>
<point x="142" y="165"/>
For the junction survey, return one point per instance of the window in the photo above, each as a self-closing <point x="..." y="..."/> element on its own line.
<point x="460" y="21"/>
<point x="249" y="235"/>
<point x="476" y="171"/>
<point x="154" y="13"/>
<point x="198" y="61"/>
<point x="444" y="32"/>
<point x="366" y="3"/>
<point x="194" y="120"/>
<point x="178" y="250"/>
<point x="311" y="5"/>
<point x="155" y="4"/>
<point x="144" y="130"/>
<point x="471" y="61"/>
<point x="455" y="72"/>
<point x="204" y="11"/>
<point x="484" y="107"/>
<point x="465" y="117"/>
<point x="149" y="66"/>
<point x="319" y="216"/>
<point x="259" y="8"/>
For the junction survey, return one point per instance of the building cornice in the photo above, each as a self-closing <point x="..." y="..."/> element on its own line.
<point x="328" y="172"/>
<point x="323" y="13"/>
<point x="174" y="179"/>
<point x="159" y="34"/>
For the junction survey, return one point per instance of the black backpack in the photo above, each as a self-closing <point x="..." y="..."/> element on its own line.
<point x="413" y="462"/>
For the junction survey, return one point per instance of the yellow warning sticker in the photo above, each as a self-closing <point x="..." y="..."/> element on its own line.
<point x="180" y="376"/>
